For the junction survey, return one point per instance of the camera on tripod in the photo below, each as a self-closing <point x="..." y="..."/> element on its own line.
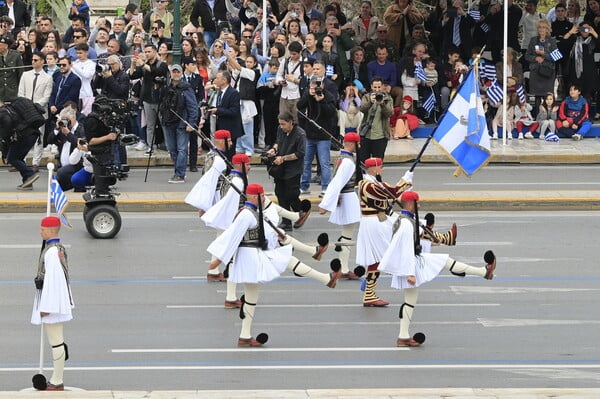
<point x="114" y="113"/>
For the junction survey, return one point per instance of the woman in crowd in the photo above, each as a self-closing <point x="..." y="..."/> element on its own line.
<point x="582" y="67"/>
<point x="541" y="65"/>
<point x="514" y="70"/>
<point x="365" y="24"/>
<point x="349" y="115"/>
<point x="165" y="53"/>
<point x="136" y="44"/>
<point x="217" y="55"/>
<point x="293" y="31"/>
<point x="187" y="47"/>
<point x="330" y="59"/>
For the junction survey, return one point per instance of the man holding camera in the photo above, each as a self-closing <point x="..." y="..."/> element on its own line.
<point x="154" y="75"/>
<point x="66" y="135"/>
<point x="374" y="130"/>
<point x="319" y="107"/>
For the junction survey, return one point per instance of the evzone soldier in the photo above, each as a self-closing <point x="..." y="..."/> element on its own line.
<point x="375" y="227"/>
<point x="411" y="266"/>
<point x="341" y="200"/>
<point x="206" y="192"/>
<point x="221" y="215"/>
<point x="53" y="301"/>
<point x="257" y="258"/>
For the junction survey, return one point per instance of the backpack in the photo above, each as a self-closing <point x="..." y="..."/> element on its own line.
<point x="172" y="100"/>
<point x="28" y="113"/>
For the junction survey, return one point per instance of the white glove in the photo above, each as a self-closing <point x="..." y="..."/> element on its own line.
<point x="408" y="176"/>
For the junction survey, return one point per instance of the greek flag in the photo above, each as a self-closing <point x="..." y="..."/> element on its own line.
<point x="475" y="14"/>
<point x="329" y="70"/>
<point x="59" y="199"/>
<point x="489" y="71"/>
<point x="420" y="73"/>
<point x="521" y="93"/>
<point x="495" y="93"/>
<point x="462" y="132"/>
<point x="429" y="103"/>
<point x="485" y="27"/>
<point x="552" y="137"/>
<point x="556" y="55"/>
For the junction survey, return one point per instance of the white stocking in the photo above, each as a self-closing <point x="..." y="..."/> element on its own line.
<point x="462" y="269"/>
<point x="302" y="270"/>
<point x="54" y="332"/>
<point x="250" y="300"/>
<point x="231" y="294"/>
<point x="347" y="232"/>
<point x="406" y="311"/>
<point x="300" y="246"/>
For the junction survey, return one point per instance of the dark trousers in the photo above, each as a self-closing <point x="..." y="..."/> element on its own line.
<point x="18" y="151"/>
<point x="193" y="155"/>
<point x="372" y="148"/>
<point x="64" y="173"/>
<point x="288" y="194"/>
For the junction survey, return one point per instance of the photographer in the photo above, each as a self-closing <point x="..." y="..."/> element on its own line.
<point x="66" y="135"/>
<point x="319" y="106"/>
<point x="101" y="139"/>
<point x="287" y="155"/>
<point x="154" y="75"/>
<point x="377" y="108"/>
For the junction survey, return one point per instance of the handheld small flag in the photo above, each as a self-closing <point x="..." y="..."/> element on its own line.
<point x="553" y="137"/>
<point x="59" y="199"/>
<point x="489" y="71"/>
<point x="475" y="14"/>
<point x="556" y="55"/>
<point x="485" y="27"/>
<point x="495" y="93"/>
<point x="521" y="93"/>
<point x="462" y="132"/>
<point x="420" y="73"/>
<point x="329" y="70"/>
<point x="429" y="103"/>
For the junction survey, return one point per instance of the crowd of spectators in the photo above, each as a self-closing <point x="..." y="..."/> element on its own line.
<point x="369" y="73"/>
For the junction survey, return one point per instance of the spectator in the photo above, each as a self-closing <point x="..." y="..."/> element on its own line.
<point x="288" y="153"/>
<point x="582" y="67"/>
<point x="365" y="24"/>
<point x="18" y="11"/>
<point x="77" y="22"/>
<point x="406" y="119"/>
<point x="187" y="47"/>
<point x="510" y="116"/>
<point x="153" y="73"/>
<point x="10" y="70"/>
<point x="433" y="24"/>
<point x="400" y="17"/>
<point x="179" y="97"/>
<point x="448" y="78"/>
<point x="225" y="107"/>
<point x="528" y="24"/>
<point x="495" y="20"/>
<point x="513" y="68"/>
<point x="480" y="32"/>
<point x="456" y="28"/>
<point x="80" y="37"/>
<point x="382" y="40"/>
<point x="191" y="77"/>
<point x="382" y="67"/>
<point x="418" y="37"/>
<point x="358" y="67"/>
<point x="85" y="69"/>
<point x="65" y="135"/>
<point x="547" y="114"/>
<point x="202" y="65"/>
<point x="374" y="130"/>
<point x="51" y="67"/>
<point x="165" y="52"/>
<point x="269" y="92"/>
<point x="341" y="42"/>
<point x="67" y="87"/>
<point x="119" y="34"/>
<point x="160" y="13"/>
<point x="560" y="28"/>
<point x="574" y="12"/>
<point x="113" y="82"/>
<point x="349" y="115"/>
<point x="310" y="11"/>
<point x="157" y="34"/>
<point x="573" y="115"/>
<point x="541" y="65"/>
<point x="99" y="40"/>
<point x="35" y="41"/>
<point x="137" y="43"/>
<point x="310" y="50"/>
<point x="216" y="57"/>
<point x="294" y="33"/>
<point x="288" y="77"/>
<point x="80" y="8"/>
<point x="24" y="50"/>
<point x="410" y="83"/>
<point x="207" y="15"/>
<point x="523" y="117"/>
<point x="113" y="48"/>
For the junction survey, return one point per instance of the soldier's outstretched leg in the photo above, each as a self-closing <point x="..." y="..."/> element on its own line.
<point x="460" y="269"/>
<point x="303" y="270"/>
<point x="315" y="251"/>
<point x="370" y="298"/>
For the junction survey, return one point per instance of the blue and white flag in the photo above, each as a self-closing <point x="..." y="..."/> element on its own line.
<point x="59" y="199"/>
<point x="489" y="71"/>
<point x="429" y="103"/>
<point x="475" y="14"/>
<point x="420" y="73"/>
<point x="495" y="93"/>
<point x="553" y="137"/>
<point x="329" y="71"/>
<point x="462" y="132"/>
<point x="521" y="93"/>
<point x="485" y="27"/>
<point x="556" y="55"/>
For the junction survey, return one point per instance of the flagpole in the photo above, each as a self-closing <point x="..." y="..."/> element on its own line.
<point x="504" y="73"/>
<point x="50" y="167"/>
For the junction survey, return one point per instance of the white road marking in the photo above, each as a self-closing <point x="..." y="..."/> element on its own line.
<point x="460" y="290"/>
<point x="238" y="350"/>
<point x="532" y="322"/>
<point x="26" y="246"/>
<point x="409" y="367"/>
<point x="333" y="305"/>
<point x="560" y="374"/>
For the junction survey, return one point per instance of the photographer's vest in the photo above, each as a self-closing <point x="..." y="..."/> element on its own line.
<point x="41" y="273"/>
<point x="351" y="184"/>
<point x="252" y="236"/>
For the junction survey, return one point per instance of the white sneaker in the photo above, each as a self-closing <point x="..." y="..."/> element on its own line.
<point x="140" y="146"/>
<point x="520" y="136"/>
<point x="54" y="149"/>
<point x="494" y="136"/>
<point x="528" y="135"/>
<point x="577" y="137"/>
<point x="542" y="136"/>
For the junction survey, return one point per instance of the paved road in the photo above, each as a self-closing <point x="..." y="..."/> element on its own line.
<point x="146" y="319"/>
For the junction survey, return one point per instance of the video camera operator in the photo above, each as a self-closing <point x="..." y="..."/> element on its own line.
<point x="377" y="106"/>
<point x="318" y="104"/>
<point x="66" y="133"/>
<point x="101" y="139"/>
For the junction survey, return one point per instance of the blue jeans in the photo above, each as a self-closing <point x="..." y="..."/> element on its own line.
<point x="18" y="151"/>
<point x="245" y="144"/>
<point x="322" y="148"/>
<point x="209" y="38"/>
<point x="81" y="179"/>
<point x="177" y="140"/>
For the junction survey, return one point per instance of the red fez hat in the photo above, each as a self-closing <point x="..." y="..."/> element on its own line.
<point x="239" y="159"/>
<point x="409" y="196"/>
<point x="407" y="98"/>
<point x="351" y="137"/>
<point x="254" y="189"/>
<point x="369" y="163"/>
<point x="50" y="221"/>
<point x="222" y="134"/>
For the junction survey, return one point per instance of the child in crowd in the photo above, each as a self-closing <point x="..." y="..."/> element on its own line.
<point x="498" y="120"/>
<point x="349" y="113"/>
<point x="573" y="115"/>
<point x="524" y="118"/>
<point x="547" y="115"/>
<point x="405" y="119"/>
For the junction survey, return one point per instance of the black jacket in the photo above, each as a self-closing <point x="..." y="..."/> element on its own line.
<point x="115" y="86"/>
<point x="152" y="81"/>
<point x="323" y="113"/>
<point x="203" y="15"/>
<point x="22" y="16"/>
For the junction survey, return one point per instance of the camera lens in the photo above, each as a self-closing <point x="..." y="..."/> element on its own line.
<point x="379" y="97"/>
